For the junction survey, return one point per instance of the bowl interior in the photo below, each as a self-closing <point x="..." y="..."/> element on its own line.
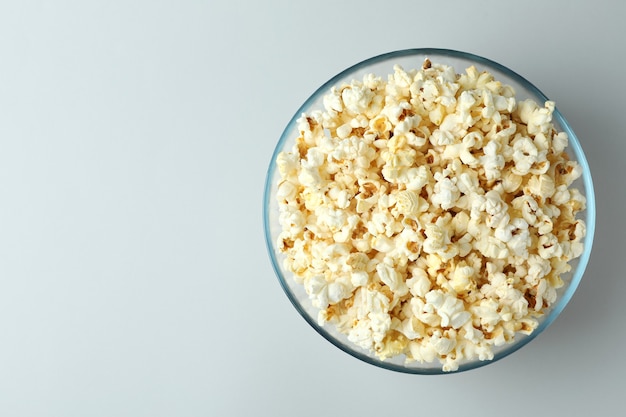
<point x="383" y="65"/>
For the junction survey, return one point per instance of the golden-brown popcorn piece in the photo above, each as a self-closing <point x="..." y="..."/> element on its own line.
<point x="381" y="126"/>
<point x="394" y="343"/>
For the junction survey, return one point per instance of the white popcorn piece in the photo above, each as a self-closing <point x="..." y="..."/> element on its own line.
<point x="519" y="243"/>
<point x="468" y="184"/>
<point x="287" y="164"/>
<point x="525" y="155"/>
<point x="356" y="98"/>
<point x="446" y="193"/>
<point x="549" y="246"/>
<point x="333" y="102"/>
<point x="419" y="284"/>
<point x="392" y="279"/>
<point x="397" y="112"/>
<point x="293" y="220"/>
<point x="544" y="224"/>
<point x="567" y="172"/>
<point x="538" y="268"/>
<point x="546" y="294"/>
<point x="561" y="195"/>
<point x="412" y="328"/>
<point x="559" y="142"/>
<point x="310" y="177"/>
<point x="462" y="278"/>
<point x="528" y="207"/>
<point x="537" y="119"/>
<point x="541" y="186"/>
<point x="487" y="312"/>
<point x="437" y="239"/>
<point x="338" y="291"/>
<point x="361" y="334"/>
<point x="416" y="178"/>
<point x="382" y="243"/>
<point x="442" y="344"/>
<point x="464" y="245"/>
<point x="422" y="352"/>
<point x="453" y="313"/>
<point x="429" y="214"/>
<point x="496" y="209"/>
<point x="344" y="130"/>
<point x="315" y="157"/>
<point x="317" y="288"/>
<point x="424" y="312"/>
<point x="359" y="278"/>
<point x="492" y="247"/>
<point x="410" y="204"/>
<point x="380" y="324"/>
<point x="471" y="333"/>
<point x="492" y="161"/>
<point x="287" y="192"/>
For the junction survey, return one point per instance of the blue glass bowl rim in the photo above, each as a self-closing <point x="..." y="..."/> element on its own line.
<point x="573" y="143"/>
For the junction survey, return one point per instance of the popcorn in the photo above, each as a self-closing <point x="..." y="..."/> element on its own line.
<point x="410" y="204"/>
<point x="429" y="215"/>
<point x="492" y="247"/>
<point x="412" y="328"/>
<point x="549" y="247"/>
<point x="442" y="344"/>
<point x="436" y="239"/>
<point x="445" y="193"/>
<point x="492" y="161"/>
<point x="419" y="284"/>
<point x="449" y="308"/>
<point x="525" y="155"/>
<point x="541" y="186"/>
<point x="356" y="98"/>
<point x="390" y="277"/>
<point x="462" y="278"/>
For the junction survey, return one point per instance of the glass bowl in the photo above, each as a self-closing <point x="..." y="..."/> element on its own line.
<point x="382" y="66"/>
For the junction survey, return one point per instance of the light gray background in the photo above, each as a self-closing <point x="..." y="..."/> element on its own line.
<point x="134" y="141"/>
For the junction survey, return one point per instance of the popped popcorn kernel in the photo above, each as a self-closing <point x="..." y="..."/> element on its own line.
<point x="429" y="214"/>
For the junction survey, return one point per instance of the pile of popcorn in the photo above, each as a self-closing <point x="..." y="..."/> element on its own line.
<point x="431" y="214"/>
